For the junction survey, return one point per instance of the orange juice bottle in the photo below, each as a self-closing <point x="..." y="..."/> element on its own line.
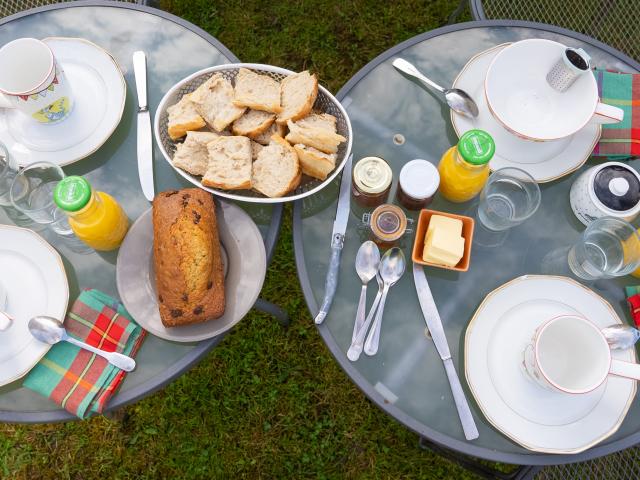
<point x="95" y="217"/>
<point x="464" y="168"/>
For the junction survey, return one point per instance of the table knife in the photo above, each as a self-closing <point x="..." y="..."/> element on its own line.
<point x="434" y="323"/>
<point x="145" y="141"/>
<point x="337" y="241"/>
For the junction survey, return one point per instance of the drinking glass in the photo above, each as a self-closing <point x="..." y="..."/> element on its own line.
<point x="32" y="194"/>
<point x="8" y="171"/>
<point x="609" y="247"/>
<point x="509" y="197"/>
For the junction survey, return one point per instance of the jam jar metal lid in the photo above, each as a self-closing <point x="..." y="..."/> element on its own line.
<point x="388" y="222"/>
<point x="617" y="187"/>
<point x="372" y="175"/>
<point x="419" y="179"/>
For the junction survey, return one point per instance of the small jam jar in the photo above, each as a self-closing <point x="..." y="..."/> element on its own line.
<point x="371" y="182"/>
<point x="388" y="223"/>
<point x="417" y="184"/>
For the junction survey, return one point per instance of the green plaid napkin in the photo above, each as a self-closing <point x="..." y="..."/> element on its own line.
<point x="76" y="379"/>
<point x="620" y="140"/>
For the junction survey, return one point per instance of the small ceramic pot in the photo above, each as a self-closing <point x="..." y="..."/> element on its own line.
<point x="611" y="189"/>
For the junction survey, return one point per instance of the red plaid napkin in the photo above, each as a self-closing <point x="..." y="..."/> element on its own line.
<point x="78" y="380"/>
<point x="633" y="299"/>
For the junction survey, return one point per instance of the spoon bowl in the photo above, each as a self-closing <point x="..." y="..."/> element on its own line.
<point x="367" y="261"/>
<point x="621" y="337"/>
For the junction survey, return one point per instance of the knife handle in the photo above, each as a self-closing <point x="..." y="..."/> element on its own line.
<point x="464" y="412"/>
<point x="140" y="72"/>
<point x="331" y="283"/>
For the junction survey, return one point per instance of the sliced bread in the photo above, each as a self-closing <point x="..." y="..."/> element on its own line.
<point x="265" y="137"/>
<point x="259" y="92"/>
<point x="192" y="154"/>
<point x="315" y="163"/>
<point x="321" y="120"/>
<point x="298" y="93"/>
<point x="229" y="163"/>
<point x="183" y="117"/>
<point x="214" y="101"/>
<point x="253" y="123"/>
<point x="276" y="171"/>
<point x="314" y="135"/>
<point x="255" y="150"/>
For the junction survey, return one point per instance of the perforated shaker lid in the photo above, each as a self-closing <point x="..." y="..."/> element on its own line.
<point x="617" y="187"/>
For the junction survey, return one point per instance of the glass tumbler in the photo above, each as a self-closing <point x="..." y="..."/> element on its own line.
<point x="509" y="197"/>
<point x="32" y="194"/>
<point x="8" y="170"/>
<point x="609" y="247"/>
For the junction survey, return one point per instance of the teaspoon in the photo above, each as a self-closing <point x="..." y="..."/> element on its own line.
<point x="50" y="330"/>
<point x="367" y="261"/>
<point x="459" y="100"/>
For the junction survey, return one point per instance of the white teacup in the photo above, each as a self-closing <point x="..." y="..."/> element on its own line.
<point x="569" y="354"/>
<point x="522" y="100"/>
<point x="32" y="82"/>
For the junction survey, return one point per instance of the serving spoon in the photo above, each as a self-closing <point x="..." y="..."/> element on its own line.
<point x="459" y="100"/>
<point x="50" y="330"/>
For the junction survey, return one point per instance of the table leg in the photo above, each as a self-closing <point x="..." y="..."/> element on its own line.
<point x="267" y="307"/>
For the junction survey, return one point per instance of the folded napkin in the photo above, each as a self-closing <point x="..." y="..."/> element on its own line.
<point x="620" y="140"/>
<point x="633" y="299"/>
<point x="78" y="380"/>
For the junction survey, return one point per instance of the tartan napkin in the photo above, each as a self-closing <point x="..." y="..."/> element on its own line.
<point x="620" y="140"/>
<point x="633" y="299"/>
<point x="76" y="379"/>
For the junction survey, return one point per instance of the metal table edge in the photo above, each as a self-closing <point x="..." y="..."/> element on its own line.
<point x="446" y="441"/>
<point x="194" y="356"/>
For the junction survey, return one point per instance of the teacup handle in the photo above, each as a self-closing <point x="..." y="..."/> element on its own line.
<point x="4" y="102"/>
<point x="625" y="369"/>
<point x="607" y="114"/>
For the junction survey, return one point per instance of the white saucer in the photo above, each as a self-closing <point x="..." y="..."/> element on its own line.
<point x="544" y="161"/>
<point x="99" y="93"/>
<point x="35" y="284"/>
<point x="534" y="417"/>
<point x="246" y="267"/>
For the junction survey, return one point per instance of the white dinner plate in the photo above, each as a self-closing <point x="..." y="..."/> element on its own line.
<point x="544" y="161"/>
<point x="99" y="92"/>
<point x="537" y="418"/>
<point x="245" y="269"/>
<point x="35" y="282"/>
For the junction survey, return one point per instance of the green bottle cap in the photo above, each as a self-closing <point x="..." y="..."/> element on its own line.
<point x="476" y="147"/>
<point x="72" y="193"/>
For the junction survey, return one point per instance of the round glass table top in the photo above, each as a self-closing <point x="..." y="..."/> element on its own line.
<point x="395" y="119"/>
<point x="174" y="49"/>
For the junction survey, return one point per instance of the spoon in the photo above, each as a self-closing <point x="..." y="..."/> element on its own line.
<point x="459" y="100"/>
<point x="49" y="330"/>
<point x="621" y="337"/>
<point x="357" y="345"/>
<point x="367" y="261"/>
<point x="392" y="267"/>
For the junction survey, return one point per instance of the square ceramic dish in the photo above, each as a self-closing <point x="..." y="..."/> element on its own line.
<point x="421" y="230"/>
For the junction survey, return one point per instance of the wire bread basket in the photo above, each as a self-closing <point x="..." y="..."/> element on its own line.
<point x="325" y="102"/>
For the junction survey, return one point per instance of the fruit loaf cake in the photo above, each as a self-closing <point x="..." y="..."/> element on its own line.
<point x="187" y="259"/>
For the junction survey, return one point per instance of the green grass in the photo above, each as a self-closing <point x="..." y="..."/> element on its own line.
<point x="268" y="402"/>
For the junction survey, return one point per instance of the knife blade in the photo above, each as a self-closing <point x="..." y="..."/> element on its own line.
<point x="145" y="144"/>
<point x="434" y="323"/>
<point x="337" y="241"/>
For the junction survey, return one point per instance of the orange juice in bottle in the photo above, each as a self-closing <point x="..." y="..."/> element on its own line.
<point x="464" y="168"/>
<point x="95" y="217"/>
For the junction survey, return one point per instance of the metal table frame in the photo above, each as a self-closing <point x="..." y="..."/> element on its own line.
<point x="194" y="356"/>
<point x="438" y="438"/>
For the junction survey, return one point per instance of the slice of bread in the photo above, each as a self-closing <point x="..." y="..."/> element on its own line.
<point x="320" y="120"/>
<point x="313" y="135"/>
<point x="298" y="93"/>
<point x="229" y="163"/>
<point x="192" y="154"/>
<point x="183" y="117"/>
<point x="253" y="123"/>
<point x="315" y="163"/>
<point x="255" y="150"/>
<point x="265" y="137"/>
<point x="259" y="92"/>
<point x="276" y="171"/>
<point x="214" y="101"/>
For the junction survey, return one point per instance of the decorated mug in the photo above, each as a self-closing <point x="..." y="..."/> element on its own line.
<point x="32" y="82"/>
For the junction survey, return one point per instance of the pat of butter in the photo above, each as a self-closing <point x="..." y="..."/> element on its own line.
<point x="454" y="225"/>
<point x="443" y="247"/>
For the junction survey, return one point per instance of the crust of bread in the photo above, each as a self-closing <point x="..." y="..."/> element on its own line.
<point x="296" y="177"/>
<point x="268" y="100"/>
<point x="179" y="128"/>
<point x="318" y="137"/>
<point x="305" y="108"/>
<point x="314" y="162"/>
